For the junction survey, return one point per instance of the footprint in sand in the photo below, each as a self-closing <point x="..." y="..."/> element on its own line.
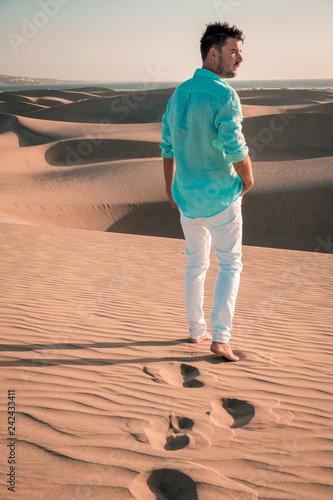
<point x="183" y="375"/>
<point x="187" y="481"/>
<point x="172" y="484"/>
<point x="176" y="437"/>
<point x="231" y="413"/>
<point x="239" y="413"/>
<point x="169" y="434"/>
<point x="190" y="374"/>
<point x="174" y="433"/>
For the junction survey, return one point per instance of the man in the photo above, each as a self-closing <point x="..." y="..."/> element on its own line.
<point x="207" y="171"/>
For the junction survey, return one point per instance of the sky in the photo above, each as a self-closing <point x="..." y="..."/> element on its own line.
<point x="158" y="40"/>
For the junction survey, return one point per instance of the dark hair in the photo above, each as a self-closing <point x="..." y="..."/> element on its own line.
<point x="216" y="34"/>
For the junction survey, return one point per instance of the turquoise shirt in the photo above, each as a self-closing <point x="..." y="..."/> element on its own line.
<point x="202" y="131"/>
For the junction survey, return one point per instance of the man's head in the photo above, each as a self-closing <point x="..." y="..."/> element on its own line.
<point x="220" y="47"/>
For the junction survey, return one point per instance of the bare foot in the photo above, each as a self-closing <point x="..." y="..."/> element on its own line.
<point x="200" y="339"/>
<point x="223" y="350"/>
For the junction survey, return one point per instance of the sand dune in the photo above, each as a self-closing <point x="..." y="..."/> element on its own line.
<point x="111" y="399"/>
<point x="93" y="131"/>
<point x="40" y="99"/>
<point x="250" y="110"/>
<point x="10" y="126"/>
<point x="108" y="176"/>
<point x="51" y="101"/>
<point x="75" y="152"/>
<point x="70" y="94"/>
<point x="109" y="105"/>
<point x="19" y="108"/>
<point x="138" y="107"/>
<point x="275" y="97"/>
<point x="289" y="136"/>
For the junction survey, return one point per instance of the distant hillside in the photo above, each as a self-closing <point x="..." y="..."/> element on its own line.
<point x="26" y="80"/>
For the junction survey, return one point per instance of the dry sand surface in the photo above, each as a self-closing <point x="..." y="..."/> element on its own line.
<point x="111" y="401"/>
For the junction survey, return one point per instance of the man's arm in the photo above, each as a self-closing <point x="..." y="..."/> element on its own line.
<point x="228" y="122"/>
<point x="169" y="172"/>
<point x="244" y="170"/>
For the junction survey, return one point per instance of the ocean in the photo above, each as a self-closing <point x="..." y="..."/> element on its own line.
<point x="237" y="84"/>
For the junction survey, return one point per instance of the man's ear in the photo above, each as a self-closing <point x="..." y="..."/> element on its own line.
<point x="212" y="55"/>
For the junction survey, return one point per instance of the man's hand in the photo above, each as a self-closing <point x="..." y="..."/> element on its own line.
<point x="169" y="172"/>
<point x="172" y="201"/>
<point x="244" y="170"/>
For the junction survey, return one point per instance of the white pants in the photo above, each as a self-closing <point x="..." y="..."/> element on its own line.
<point x="224" y="230"/>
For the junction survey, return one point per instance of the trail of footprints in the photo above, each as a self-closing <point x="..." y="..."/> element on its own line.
<point x="177" y="435"/>
<point x="228" y="413"/>
<point x="179" y="432"/>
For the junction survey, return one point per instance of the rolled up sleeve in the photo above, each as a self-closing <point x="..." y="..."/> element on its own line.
<point x="166" y="144"/>
<point x="228" y="121"/>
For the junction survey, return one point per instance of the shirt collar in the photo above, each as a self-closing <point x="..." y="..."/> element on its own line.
<point x="208" y="73"/>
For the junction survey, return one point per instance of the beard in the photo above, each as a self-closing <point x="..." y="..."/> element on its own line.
<point x="224" y="71"/>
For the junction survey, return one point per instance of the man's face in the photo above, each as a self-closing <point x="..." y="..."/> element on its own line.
<point x="229" y="58"/>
